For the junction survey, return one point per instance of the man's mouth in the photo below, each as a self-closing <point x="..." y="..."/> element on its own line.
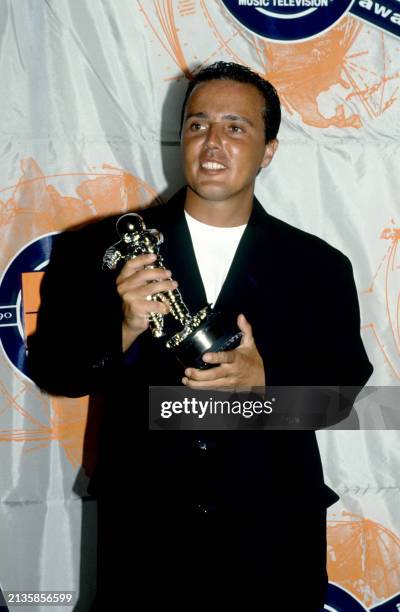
<point x="209" y="165"/>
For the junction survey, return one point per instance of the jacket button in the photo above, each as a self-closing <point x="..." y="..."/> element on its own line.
<point x="203" y="509"/>
<point x="100" y="363"/>
<point x="202" y="445"/>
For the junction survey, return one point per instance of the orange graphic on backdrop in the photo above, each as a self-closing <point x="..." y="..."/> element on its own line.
<point x="34" y="206"/>
<point x="338" y="61"/>
<point x="29" y="209"/>
<point x="388" y="275"/>
<point x="364" y="558"/>
<point x="169" y="38"/>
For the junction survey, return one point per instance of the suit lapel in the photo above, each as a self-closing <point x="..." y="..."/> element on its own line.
<point x="242" y="279"/>
<point x="180" y="257"/>
<point x="239" y="291"/>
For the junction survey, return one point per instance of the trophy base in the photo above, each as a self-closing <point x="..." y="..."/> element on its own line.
<point x="212" y="335"/>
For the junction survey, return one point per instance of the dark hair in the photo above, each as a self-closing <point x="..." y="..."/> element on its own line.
<point x="229" y="71"/>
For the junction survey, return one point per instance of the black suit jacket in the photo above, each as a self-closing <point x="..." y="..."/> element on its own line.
<point x="298" y="294"/>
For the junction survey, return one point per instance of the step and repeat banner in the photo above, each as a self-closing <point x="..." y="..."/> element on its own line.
<point x="89" y="107"/>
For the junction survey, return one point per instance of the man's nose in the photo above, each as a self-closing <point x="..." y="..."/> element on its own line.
<point x="213" y="140"/>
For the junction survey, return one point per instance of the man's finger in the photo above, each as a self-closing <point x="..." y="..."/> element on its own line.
<point x="211" y="374"/>
<point x="133" y="286"/>
<point x="246" y="329"/>
<point x="219" y="357"/>
<point x="148" y="275"/>
<point x="144" y="307"/>
<point x="154" y="288"/>
<point x="142" y="276"/>
<point x="218" y="383"/>
<point x="135" y="264"/>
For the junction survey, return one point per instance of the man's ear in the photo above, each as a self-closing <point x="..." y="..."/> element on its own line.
<point x="269" y="152"/>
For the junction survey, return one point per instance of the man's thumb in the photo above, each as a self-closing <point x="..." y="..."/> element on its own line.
<point x="246" y="329"/>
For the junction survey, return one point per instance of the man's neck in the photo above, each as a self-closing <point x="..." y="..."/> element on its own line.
<point x="229" y="213"/>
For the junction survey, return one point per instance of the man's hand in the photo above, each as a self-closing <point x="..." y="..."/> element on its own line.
<point x="136" y="285"/>
<point x="241" y="368"/>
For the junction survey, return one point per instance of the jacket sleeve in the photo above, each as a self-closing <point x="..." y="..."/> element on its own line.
<point x="352" y="363"/>
<point x="344" y="348"/>
<point x="341" y="362"/>
<point x="319" y="378"/>
<point x="77" y="346"/>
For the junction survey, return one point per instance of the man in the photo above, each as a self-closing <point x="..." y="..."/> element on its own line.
<point x="227" y="516"/>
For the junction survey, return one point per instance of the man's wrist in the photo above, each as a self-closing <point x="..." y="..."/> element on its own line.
<point x="128" y="337"/>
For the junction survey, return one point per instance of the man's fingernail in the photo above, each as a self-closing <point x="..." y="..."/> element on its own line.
<point x="188" y="373"/>
<point x="207" y="357"/>
<point x="184" y="380"/>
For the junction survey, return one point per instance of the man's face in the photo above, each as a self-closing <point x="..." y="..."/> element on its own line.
<point x="223" y="142"/>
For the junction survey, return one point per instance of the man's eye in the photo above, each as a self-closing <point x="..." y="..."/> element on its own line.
<point x="236" y="129"/>
<point x="195" y="127"/>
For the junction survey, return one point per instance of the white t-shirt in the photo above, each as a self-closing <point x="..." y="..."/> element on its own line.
<point x="215" y="248"/>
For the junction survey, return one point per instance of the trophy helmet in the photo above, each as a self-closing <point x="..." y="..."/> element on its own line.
<point x="130" y="225"/>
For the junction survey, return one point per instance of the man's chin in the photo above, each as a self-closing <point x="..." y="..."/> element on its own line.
<point x="211" y="193"/>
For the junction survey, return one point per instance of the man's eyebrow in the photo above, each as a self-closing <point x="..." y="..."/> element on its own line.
<point x="199" y="115"/>
<point x="229" y="117"/>
<point x="238" y="118"/>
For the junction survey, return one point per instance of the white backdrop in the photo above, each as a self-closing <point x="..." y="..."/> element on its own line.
<point x="89" y="104"/>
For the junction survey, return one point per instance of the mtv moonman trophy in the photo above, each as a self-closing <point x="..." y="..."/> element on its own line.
<point x="202" y="332"/>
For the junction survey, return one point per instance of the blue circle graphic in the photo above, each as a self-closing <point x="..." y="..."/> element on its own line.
<point x="33" y="257"/>
<point x="288" y="20"/>
<point x="340" y="600"/>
